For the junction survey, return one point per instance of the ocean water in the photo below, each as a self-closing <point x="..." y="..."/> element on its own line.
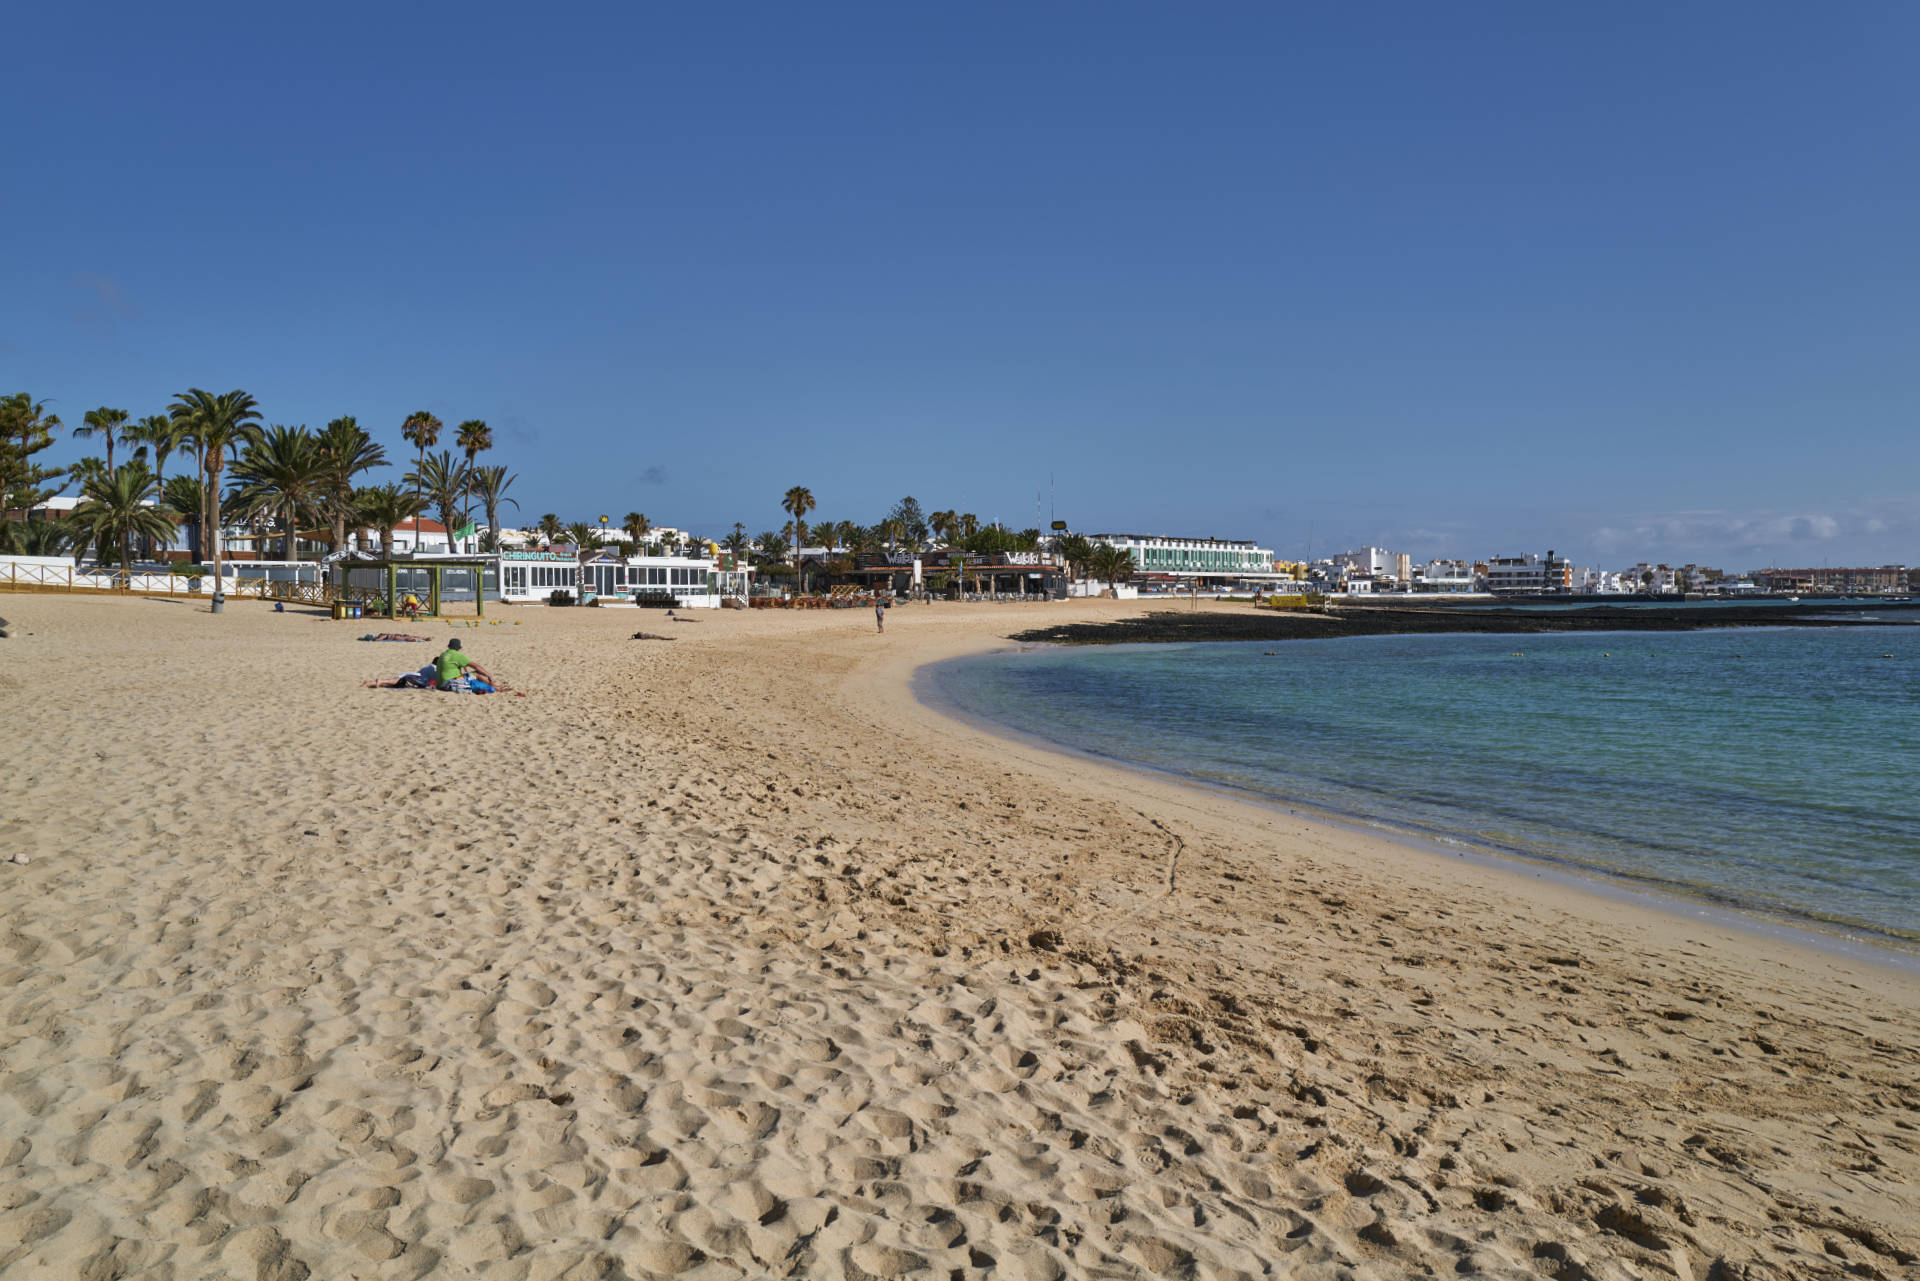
<point x="1775" y="770"/>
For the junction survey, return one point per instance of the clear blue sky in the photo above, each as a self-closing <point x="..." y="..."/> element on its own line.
<point x="1625" y="281"/>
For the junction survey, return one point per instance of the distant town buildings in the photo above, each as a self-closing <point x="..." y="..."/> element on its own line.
<point x="1205" y="561"/>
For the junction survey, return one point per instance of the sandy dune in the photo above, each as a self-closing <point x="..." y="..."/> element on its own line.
<point x="726" y="958"/>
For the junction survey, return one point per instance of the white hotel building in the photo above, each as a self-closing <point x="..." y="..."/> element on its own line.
<point x="1204" y="561"/>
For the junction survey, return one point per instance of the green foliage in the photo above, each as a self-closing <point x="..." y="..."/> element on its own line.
<point x="185" y="499"/>
<point x="912" y="521"/>
<point x="33" y="537"/>
<point x="384" y="507"/>
<point x="281" y="472"/>
<point x="105" y="423"/>
<point x="346" y="449"/>
<point x="26" y="428"/>
<point x="1076" y="551"/>
<point x="1113" y="564"/>
<point x="114" y="509"/>
<point x="216" y="424"/>
<point x="492" y="483"/>
<point x="584" y="536"/>
<point x="442" y="481"/>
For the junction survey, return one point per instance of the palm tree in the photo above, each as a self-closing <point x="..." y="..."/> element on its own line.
<point x="736" y="544"/>
<point x="797" y="503"/>
<point x="346" y="449"/>
<point x="770" y="547"/>
<point x="115" y="508"/>
<point x="422" y="429"/>
<point x="471" y="437"/>
<point x="186" y="498"/>
<point x="443" y="480"/>
<point x="160" y="434"/>
<point x="635" y="527"/>
<point x="492" y="483"/>
<point x="385" y="507"/>
<point x="105" y="423"/>
<point x="551" y="528"/>
<point x="942" y="522"/>
<point x="34" y="538"/>
<point x="1076" y="551"/>
<point x="215" y="423"/>
<point x="1114" y="564"/>
<point x="282" y="470"/>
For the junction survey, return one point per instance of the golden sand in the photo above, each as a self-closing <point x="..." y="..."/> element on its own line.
<point x="724" y="957"/>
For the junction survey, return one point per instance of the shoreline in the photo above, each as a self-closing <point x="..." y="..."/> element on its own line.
<point x="730" y="958"/>
<point x="1890" y="952"/>
<point x="1244" y="623"/>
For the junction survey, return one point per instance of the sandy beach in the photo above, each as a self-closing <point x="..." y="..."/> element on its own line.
<point x="725" y="957"/>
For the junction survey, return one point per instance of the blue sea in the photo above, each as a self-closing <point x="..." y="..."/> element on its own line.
<point x="1772" y="770"/>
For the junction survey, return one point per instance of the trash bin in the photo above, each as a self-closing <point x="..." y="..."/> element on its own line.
<point x="339" y="609"/>
<point x="353" y="609"/>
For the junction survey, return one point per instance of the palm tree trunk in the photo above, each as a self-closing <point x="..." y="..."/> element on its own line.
<point x="293" y="532"/>
<point x="213" y="520"/>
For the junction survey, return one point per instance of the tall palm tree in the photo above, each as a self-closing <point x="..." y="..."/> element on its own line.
<point x="797" y="503"/>
<point x="443" y="480"/>
<point x="736" y="544"/>
<point x="471" y="437"/>
<point x="105" y="423"/>
<point x="160" y="434"/>
<point x="422" y="429"/>
<point x="636" y="527"/>
<point x="584" y="535"/>
<point x="551" y="528"/>
<point x="346" y="449"/>
<point x="114" y="508"/>
<point x="492" y="483"/>
<point x="942" y="522"/>
<point x="282" y="471"/>
<point x="216" y="423"/>
<point x="385" y="507"/>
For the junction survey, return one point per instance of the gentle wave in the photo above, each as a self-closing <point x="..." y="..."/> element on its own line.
<point x="1771" y="770"/>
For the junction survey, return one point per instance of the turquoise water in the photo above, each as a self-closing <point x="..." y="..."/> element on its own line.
<point x="1772" y="769"/>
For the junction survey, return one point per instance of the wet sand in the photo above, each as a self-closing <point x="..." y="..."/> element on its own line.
<point x="728" y="958"/>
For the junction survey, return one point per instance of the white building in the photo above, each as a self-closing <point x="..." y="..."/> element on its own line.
<point x="1198" y="559"/>
<point x="528" y="578"/>
<point x="1445" y="576"/>
<point x="1368" y="562"/>
<point x="1529" y="573"/>
<point x="425" y="536"/>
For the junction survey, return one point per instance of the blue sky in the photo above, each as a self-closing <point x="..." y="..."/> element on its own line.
<point x="1462" y="280"/>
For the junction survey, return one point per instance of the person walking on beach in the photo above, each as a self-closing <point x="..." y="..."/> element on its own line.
<point x="879" y="614"/>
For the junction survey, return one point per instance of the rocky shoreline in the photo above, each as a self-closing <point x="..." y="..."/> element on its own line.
<point x="1250" y="624"/>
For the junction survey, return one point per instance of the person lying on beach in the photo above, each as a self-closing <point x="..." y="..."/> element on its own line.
<point x="422" y="679"/>
<point x="394" y="636"/>
<point x="454" y="663"/>
<point x="650" y="636"/>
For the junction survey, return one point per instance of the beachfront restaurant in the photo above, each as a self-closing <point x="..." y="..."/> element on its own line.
<point x="684" y="582"/>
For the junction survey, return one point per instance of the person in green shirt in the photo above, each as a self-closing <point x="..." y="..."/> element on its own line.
<point x="453" y="663"/>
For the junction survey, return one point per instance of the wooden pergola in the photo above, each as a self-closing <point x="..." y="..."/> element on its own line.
<point x="433" y="565"/>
